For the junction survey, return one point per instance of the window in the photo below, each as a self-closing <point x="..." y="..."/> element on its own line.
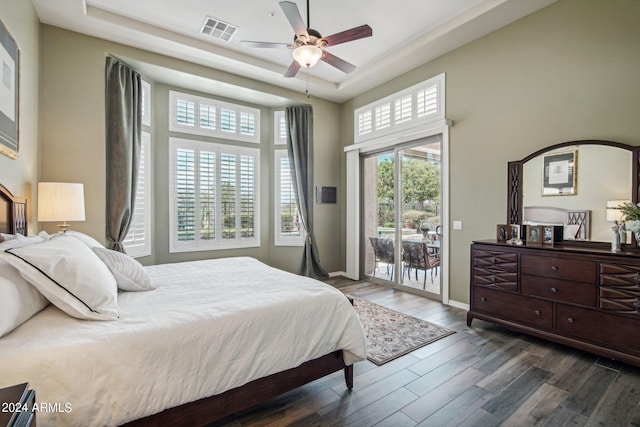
<point x="288" y="228"/>
<point x="137" y="243"/>
<point x="214" y="196"/>
<point x="209" y="117"/>
<point x="415" y="106"/>
<point x="138" y="240"/>
<point x="280" y="129"/>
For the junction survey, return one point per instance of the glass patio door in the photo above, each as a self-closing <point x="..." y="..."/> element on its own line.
<point x="401" y="231"/>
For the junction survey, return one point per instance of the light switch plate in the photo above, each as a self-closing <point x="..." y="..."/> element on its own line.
<point x="457" y="225"/>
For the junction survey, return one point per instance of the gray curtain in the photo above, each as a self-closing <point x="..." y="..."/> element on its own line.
<point x="300" y="149"/>
<point x="123" y="134"/>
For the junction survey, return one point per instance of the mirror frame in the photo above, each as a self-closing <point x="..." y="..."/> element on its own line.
<point x="515" y="171"/>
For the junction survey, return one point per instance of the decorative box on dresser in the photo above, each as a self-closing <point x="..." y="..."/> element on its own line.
<point x="584" y="297"/>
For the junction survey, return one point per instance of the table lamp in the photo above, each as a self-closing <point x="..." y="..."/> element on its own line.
<point x="60" y="201"/>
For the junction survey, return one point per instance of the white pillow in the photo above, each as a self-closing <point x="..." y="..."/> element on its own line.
<point x="129" y="273"/>
<point x="18" y="299"/>
<point x="18" y="241"/>
<point x="84" y="238"/>
<point x="70" y="275"/>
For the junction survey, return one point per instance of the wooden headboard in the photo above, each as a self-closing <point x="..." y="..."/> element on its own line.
<point x="13" y="213"/>
<point x="551" y="215"/>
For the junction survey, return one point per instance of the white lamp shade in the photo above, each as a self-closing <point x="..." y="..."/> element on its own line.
<point x="60" y="201"/>
<point x="614" y="214"/>
<point x="307" y="56"/>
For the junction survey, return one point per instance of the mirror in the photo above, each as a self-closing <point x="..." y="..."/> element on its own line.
<point x="574" y="176"/>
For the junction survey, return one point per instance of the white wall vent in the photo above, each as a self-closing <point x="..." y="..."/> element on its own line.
<point x="220" y="30"/>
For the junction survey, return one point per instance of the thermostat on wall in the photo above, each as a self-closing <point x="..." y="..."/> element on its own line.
<point x="325" y="194"/>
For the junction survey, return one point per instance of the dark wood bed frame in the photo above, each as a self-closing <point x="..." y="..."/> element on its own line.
<point x="13" y="219"/>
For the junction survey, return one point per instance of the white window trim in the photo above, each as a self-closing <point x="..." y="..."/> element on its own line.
<point x="367" y="114"/>
<point x="279" y="240"/>
<point x="217" y="133"/>
<point x="140" y="249"/>
<point x="146" y="99"/>
<point x="217" y="244"/>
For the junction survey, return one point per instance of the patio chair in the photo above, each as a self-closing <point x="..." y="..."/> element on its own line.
<point x="415" y="255"/>
<point x="383" y="251"/>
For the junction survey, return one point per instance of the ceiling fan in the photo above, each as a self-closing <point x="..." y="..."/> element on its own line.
<point x="309" y="45"/>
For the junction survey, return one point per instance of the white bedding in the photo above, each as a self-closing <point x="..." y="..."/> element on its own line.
<point x="209" y="326"/>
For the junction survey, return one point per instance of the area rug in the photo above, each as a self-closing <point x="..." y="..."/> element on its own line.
<point x="391" y="334"/>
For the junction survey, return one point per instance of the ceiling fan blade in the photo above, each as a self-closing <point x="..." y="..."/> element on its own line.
<point x="292" y="70"/>
<point x="349" y="35"/>
<point x="292" y="13"/>
<point x="340" y="64"/>
<point x="247" y="43"/>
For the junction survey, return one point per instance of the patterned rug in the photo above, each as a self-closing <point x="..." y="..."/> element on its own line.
<point x="391" y="334"/>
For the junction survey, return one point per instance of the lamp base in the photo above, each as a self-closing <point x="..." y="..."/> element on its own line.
<point x="64" y="226"/>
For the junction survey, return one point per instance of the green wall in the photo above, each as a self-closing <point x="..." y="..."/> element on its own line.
<point x="73" y="148"/>
<point x="20" y="175"/>
<point x="568" y="72"/>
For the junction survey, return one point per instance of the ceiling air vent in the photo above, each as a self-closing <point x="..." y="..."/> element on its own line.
<point x="220" y="30"/>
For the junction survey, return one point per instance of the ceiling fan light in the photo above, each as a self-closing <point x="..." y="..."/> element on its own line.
<point x="307" y="56"/>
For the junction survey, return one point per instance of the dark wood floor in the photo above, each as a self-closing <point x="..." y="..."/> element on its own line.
<point x="480" y="376"/>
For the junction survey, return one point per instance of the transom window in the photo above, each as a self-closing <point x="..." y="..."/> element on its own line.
<point x="411" y="107"/>
<point x="209" y="117"/>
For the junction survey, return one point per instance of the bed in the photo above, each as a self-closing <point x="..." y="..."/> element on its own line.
<point x="576" y="223"/>
<point x="213" y="338"/>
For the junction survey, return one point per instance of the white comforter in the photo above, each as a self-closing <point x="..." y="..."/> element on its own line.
<point x="208" y="327"/>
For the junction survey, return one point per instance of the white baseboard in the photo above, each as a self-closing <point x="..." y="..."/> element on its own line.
<point x="457" y="304"/>
<point x="337" y="273"/>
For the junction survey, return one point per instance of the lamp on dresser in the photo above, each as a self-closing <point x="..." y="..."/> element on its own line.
<point x="60" y="201"/>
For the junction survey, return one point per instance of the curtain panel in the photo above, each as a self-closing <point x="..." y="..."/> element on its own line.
<point x="299" y="121"/>
<point x="123" y="138"/>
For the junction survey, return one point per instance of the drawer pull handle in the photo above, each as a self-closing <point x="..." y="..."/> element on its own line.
<point x="483" y="299"/>
<point x="554" y="290"/>
<point x="493" y="260"/>
<point x="637" y="305"/>
<point x="493" y="279"/>
<point x="571" y="319"/>
<point x="637" y="278"/>
<point x="537" y="312"/>
<point x="554" y="267"/>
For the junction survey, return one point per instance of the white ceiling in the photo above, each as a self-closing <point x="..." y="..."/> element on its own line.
<point x="406" y="33"/>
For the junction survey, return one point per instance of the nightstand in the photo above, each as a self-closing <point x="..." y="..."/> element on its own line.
<point x="16" y="406"/>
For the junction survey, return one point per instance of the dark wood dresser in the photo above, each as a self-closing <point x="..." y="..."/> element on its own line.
<point x="16" y="408"/>
<point x="587" y="298"/>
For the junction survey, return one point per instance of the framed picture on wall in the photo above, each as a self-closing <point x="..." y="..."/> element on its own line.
<point x="9" y="93"/>
<point x="559" y="174"/>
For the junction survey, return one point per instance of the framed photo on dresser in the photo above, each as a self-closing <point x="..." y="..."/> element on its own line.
<point x="534" y="235"/>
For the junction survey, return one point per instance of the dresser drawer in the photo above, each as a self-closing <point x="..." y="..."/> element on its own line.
<point x="495" y="279"/>
<point x="609" y="330"/>
<point x="495" y="269"/>
<point x="559" y="268"/>
<point x="559" y="290"/>
<point x="620" y="288"/>
<point x="495" y="261"/>
<point x="514" y="307"/>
